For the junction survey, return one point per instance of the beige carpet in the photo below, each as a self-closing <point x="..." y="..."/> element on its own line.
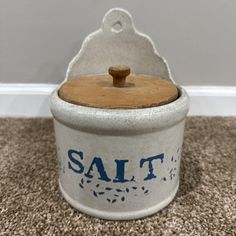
<point x="30" y="203"/>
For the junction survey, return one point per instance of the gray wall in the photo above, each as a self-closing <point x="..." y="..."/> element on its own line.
<point x="39" y="38"/>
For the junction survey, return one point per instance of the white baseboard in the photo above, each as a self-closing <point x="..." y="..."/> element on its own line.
<point x="31" y="100"/>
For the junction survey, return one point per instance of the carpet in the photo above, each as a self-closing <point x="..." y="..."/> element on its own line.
<point x="31" y="204"/>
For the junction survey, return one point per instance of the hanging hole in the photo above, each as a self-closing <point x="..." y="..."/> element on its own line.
<point x="117" y="27"/>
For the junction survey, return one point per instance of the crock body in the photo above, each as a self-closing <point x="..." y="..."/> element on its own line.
<point x="119" y="164"/>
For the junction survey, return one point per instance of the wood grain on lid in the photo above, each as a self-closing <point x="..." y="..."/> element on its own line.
<point x="118" y="91"/>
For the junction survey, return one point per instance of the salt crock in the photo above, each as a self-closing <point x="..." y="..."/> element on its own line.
<point x="119" y="163"/>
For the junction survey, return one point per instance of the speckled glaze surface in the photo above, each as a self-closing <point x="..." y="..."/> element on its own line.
<point x="114" y="163"/>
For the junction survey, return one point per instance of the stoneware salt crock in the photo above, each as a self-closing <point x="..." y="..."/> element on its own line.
<point x="119" y="160"/>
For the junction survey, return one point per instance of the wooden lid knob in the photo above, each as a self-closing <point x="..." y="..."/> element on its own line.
<point x="119" y="74"/>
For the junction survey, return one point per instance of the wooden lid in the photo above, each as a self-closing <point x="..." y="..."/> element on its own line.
<point x="120" y="89"/>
